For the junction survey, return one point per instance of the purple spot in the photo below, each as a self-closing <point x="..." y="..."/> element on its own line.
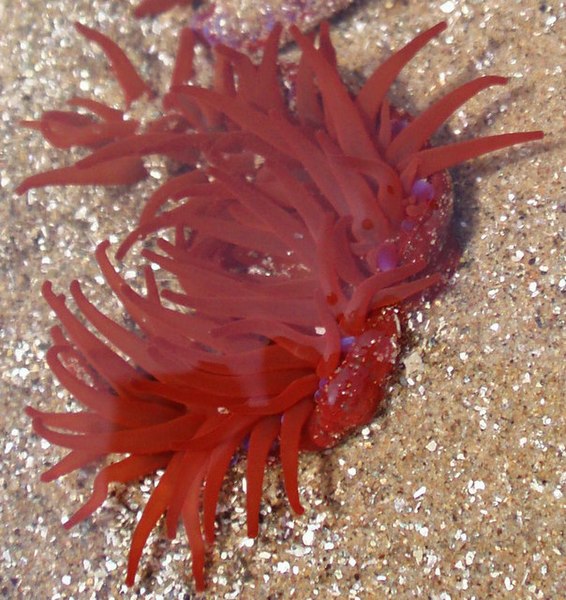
<point x="387" y="257"/>
<point x="422" y="190"/>
<point x="397" y="126"/>
<point x="244" y="448"/>
<point x="322" y="382"/>
<point x="408" y="225"/>
<point x="346" y="343"/>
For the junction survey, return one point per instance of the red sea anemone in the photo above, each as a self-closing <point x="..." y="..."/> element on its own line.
<point x="154" y="7"/>
<point x="297" y="236"/>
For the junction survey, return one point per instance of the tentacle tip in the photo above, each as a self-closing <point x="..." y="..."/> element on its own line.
<point x="30" y="411"/>
<point x="277" y="28"/>
<point x="23" y="187"/>
<point x="47" y="288"/>
<point x="56" y="332"/>
<point x="295" y="32"/>
<point x="103" y="246"/>
<point x="87" y="162"/>
<point x="82" y="29"/>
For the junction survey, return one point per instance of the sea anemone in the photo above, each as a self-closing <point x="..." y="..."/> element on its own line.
<point x="294" y="231"/>
<point x="154" y="7"/>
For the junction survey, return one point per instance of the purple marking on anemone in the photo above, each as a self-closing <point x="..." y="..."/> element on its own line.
<point x="387" y="257"/>
<point x="322" y="382"/>
<point x="397" y="126"/>
<point x="270" y="21"/>
<point x="422" y="190"/>
<point x="244" y="448"/>
<point x="408" y="225"/>
<point x="346" y="343"/>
